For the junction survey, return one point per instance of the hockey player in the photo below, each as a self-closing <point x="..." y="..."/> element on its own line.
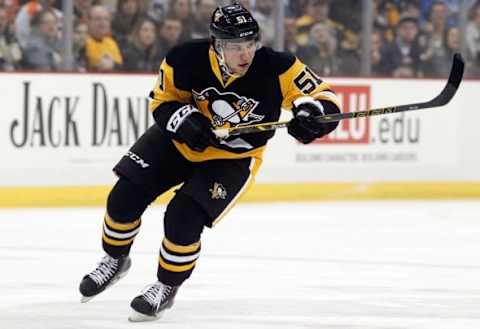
<point x="227" y="81"/>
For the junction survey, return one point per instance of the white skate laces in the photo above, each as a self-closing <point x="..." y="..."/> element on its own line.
<point x="105" y="270"/>
<point x="155" y="293"/>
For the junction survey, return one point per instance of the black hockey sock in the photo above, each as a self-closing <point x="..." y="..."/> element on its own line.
<point x="176" y="262"/>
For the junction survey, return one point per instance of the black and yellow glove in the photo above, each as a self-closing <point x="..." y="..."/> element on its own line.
<point x="303" y="125"/>
<point x="188" y="125"/>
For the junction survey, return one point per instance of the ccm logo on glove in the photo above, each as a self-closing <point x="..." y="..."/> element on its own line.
<point x="177" y="118"/>
<point x="188" y="125"/>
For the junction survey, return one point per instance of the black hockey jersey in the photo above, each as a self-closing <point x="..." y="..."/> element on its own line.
<point x="190" y="74"/>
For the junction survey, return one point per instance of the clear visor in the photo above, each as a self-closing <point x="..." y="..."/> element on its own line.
<point x="237" y="45"/>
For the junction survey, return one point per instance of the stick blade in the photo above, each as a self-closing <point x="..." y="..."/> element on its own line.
<point x="456" y="74"/>
<point x="454" y="79"/>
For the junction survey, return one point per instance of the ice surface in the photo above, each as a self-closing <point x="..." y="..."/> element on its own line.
<point x="339" y="265"/>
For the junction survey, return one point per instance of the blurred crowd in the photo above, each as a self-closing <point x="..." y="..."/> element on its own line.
<point x="410" y="38"/>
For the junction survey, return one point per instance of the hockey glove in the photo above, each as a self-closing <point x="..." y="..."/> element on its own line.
<point x="303" y="126"/>
<point x="188" y="125"/>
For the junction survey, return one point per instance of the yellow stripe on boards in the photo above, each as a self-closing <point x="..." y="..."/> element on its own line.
<point x="81" y="196"/>
<point x="120" y="226"/>
<point x="176" y="268"/>
<point x="116" y="242"/>
<point x="181" y="249"/>
<point x="68" y="196"/>
<point x="363" y="191"/>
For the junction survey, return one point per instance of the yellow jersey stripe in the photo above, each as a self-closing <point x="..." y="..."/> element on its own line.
<point x="165" y="89"/>
<point x="290" y="91"/>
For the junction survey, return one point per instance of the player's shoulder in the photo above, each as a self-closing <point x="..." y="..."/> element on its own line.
<point x="188" y="54"/>
<point x="277" y="62"/>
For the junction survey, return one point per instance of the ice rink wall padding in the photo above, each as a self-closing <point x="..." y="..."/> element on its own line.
<point x="62" y="134"/>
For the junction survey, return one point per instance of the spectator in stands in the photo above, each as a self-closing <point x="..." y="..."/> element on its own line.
<point x="313" y="12"/>
<point x="10" y="51"/>
<point x="157" y="9"/>
<point x="264" y="14"/>
<point x="141" y="53"/>
<point x="81" y="8"/>
<point x="290" y="26"/>
<point x="438" y="65"/>
<point x="377" y="42"/>
<point x="404" y="50"/>
<point x="411" y="8"/>
<point x="11" y="7"/>
<point x="452" y="9"/>
<point x="473" y="39"/>
<point x="405" y="71"/>
<point x="295" y="8"/>
<point x="43" y="47"/>
<point x="386" y="17"/>
<point x="320" y="53"/>
<point x="23" y="19"/>
<point x="452" y="43"/>
<point x="110" y="5"/>
<point x="80" y="32"/>
<point x="25" y="16"/>
<point x="432" y="38"/>
<point x="346" y="12"/>
<point x="202" y="15"/>
<point x="169" y="35"/>
<point x="126" y="16"/>
<point x="316" y="11"/>
<point x="182" y="11"/>
<point x="102" y="50"/>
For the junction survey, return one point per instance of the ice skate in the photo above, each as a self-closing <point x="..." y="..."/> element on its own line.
<point x="152" y="302"/>
<point x="108" y="271"/>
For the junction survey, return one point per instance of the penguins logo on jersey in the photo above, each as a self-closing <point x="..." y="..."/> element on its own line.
<point x="218" y="191"/>
<point x="228" y="108"/>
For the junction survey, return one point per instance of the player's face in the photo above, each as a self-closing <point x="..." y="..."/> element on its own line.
<point x="239" y="55"/>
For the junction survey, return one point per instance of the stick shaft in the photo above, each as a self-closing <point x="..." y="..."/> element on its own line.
<point x="456" y="75"/>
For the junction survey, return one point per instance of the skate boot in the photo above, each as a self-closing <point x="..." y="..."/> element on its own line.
<point x="108" y="271"/>
<point x="152" y="302"/>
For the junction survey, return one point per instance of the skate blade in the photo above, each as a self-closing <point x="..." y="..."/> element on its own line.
<point x="85" y="299"/>
<point x="139" y="317"/>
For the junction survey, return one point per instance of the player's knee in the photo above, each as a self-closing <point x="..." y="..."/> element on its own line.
<point x="184" y="220"/>
<point x="127" y="201"/>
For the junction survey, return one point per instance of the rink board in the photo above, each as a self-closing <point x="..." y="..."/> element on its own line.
<point x="59" y="143"/>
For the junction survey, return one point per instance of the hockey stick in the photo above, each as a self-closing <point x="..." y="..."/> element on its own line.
<point x="456" y="75"/>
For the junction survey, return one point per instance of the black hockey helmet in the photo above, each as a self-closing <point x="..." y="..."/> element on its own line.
<point x="233" y="23"/>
